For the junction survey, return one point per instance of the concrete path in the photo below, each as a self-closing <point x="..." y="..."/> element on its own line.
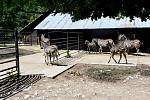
<point x="103" y="59"/>
<point x="34" y="64"/>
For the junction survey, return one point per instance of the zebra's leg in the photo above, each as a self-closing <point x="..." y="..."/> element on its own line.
<point x="114" y="58"/>
<point x="46" y="59"/>
<point x="95" y="49"/>
<point x="57" y="54"/>
<point x="50" y="56"/>
<point x="89" y="50"/>
<point x="45" y="55"/>
<point x="137" y="51"/>
<point x="53" y="57"/>
<point x="124" y="54"/>
<point x="100" y="49"/>
<point x="56" y="58"/>
<point x="120" y="57"/>
<point x="110" y="58"/>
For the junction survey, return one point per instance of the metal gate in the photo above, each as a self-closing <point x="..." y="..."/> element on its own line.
<point x="67" y="41"/>
<point x="9" y="54"/>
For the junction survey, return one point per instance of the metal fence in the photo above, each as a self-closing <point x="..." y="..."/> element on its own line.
<point x="25" y="38"/>
<point x="67" y="41"/>
<point x="9" y="54"/>
<point x="28" y="38"/>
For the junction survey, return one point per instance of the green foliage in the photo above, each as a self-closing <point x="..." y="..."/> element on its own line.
<point x="16" y="14"/>
<point x="11" y="75"/>
<point x="68" y="54"/>
<point x="19" y="13"/>
<point x="94" y="9"/>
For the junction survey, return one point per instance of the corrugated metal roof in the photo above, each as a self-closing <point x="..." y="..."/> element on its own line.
<point x="63" y="21"/>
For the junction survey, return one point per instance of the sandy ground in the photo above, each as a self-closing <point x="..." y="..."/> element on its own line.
<point x="68" y="87"/>
<point x="73" y="87"/>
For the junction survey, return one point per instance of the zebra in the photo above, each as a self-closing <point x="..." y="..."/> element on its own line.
<point x="129" y="44"/>
<point x="49" y="50"/>
<point x="102" y="43"/>
<point x="115" y="49"/>
<point x="90" y="46"/>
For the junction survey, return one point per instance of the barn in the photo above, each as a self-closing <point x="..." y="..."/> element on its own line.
<point x="67" y="34"/>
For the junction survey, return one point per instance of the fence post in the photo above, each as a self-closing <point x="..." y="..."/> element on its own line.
<point x="68" y="54"/>
<point x="67" y="40"/>
<point x="4" y="40"/>
<point x="78" y="42"/>
<point x="30" y="38"/>
<point x="49" y="38"/>
<point x="17" y="52"/>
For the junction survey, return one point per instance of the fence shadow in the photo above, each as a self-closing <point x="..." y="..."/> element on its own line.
<point x="11" y="87"/>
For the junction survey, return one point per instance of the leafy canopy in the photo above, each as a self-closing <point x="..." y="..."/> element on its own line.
<point x="94" y="9"/>
<point x="18" y="13"/>
<point x="15" y="14"/>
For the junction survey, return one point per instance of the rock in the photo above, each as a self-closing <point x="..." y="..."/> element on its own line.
<point x="26" y="96"/>
<point x="27" y="89"/>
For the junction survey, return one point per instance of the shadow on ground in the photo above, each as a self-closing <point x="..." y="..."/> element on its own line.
<point x="22" y="52"/>
<point x="9" y="88"/>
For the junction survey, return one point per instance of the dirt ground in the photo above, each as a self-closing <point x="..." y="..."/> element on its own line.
<point x="72" y="85"/>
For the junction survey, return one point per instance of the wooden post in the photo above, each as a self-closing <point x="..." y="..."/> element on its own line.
<point x="17" y="53"/>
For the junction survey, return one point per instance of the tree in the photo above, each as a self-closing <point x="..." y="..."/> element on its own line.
<point x="18" y="13"/>
<point x="94" y="9"/>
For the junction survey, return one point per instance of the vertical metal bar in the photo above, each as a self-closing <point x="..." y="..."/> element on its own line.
<point x="68" y="54"/>
<point x="49" y="38"/>
<point x="78" y="42"/>
<point x="67" y="42"/>
<point x="17" y="53"/>
<point x="4" y="39"/>
<point x="31" y="38"/>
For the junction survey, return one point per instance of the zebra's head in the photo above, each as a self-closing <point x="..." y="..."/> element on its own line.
<point x="122" y="37"/>
<point x="86" y="42"/>
<point x="44" y="41"/>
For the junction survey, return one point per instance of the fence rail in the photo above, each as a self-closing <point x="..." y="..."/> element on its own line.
<point x="9" y="46"/>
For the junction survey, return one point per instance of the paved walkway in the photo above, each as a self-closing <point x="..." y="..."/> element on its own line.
<point x="103" y="59"/>
<point x="34" y="64"/>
